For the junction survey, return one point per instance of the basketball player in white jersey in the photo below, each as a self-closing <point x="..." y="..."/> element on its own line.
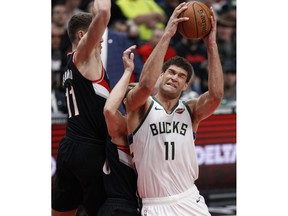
<point x="161" y="127"/>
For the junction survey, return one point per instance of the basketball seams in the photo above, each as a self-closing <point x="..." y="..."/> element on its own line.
<point x="198" y="24"/>
<point x="208" y="17"/>
<point x="182" y="26"/>
<point x="195" y="18"/>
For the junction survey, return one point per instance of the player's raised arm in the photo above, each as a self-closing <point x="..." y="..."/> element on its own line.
<point x="116" y="123"/>
<point x="101" y="16"/>
<point x="210" y="100"/>
<point x="152" y="67"/>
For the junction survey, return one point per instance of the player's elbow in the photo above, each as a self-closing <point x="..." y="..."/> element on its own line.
<point x="146" y="87"/>
<point x="216" y="92"/>
<point x="108" y="113"/>
<point x="217" y="95"/>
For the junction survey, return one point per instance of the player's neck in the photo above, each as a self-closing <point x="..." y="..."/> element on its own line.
<point x="166" y="102"/>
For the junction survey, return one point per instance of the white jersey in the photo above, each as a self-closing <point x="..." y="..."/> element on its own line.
<point x="163" y="151"/>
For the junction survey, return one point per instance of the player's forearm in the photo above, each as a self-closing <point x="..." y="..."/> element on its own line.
<point x="103" y="10"/>
<point x="117" y="94"/>
<point x="102" y="5"/>
<point x="114" y="119"/>
<point x="215" y="73"/>
<point x="153" y="66"/>
<point x="95" y="31"/>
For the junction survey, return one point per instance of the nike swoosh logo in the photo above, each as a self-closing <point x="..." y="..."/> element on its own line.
<point x="198" y="199"/>
<point x="157" y="108"/>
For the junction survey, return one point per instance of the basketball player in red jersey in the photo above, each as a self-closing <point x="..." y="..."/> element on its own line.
<point x="81" y="153"/>
<point x="120" y="179"/>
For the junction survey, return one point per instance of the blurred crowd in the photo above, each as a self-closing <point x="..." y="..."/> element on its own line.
<point x="141" y="22"/>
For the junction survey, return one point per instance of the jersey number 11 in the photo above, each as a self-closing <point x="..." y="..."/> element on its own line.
<point x="168" y="149"/>
<point x="73" y="102"/>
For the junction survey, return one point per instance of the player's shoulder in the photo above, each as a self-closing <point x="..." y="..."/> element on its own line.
<point x="191" y="103"/>
<point x="190" y="106"/>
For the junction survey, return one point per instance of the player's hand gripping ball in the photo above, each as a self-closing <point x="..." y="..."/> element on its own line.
<point x="199" y="23"/>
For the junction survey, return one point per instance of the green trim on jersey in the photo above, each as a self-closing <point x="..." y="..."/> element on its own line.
<point x="188" y="108"/>
<point x="164" y="107"/>
<point x="145" y="116"/>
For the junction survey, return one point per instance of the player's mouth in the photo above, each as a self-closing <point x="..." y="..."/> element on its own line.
<point x="172" y="85"/>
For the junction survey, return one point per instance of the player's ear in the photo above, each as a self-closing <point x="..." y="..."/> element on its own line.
<point x="80" y="34"/>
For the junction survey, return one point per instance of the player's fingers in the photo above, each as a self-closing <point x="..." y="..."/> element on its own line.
<point x="212" y="11"/>
<point x="213" y="18"/>
<point x="180" y="8"/>
<point x="181" y="19"/>
<point x="132" y="56"/>
<point x="127" y="52"/>
<point x="133" y="47"/>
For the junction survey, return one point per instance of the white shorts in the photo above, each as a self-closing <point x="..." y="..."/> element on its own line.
<point x="188" y="203"/>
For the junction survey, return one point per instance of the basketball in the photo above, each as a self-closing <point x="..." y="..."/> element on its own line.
<point x="199" y="23"/>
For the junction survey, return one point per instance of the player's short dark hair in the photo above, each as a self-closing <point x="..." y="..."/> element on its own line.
<point x="179" y="62"/>
<point x="79" y="21"/>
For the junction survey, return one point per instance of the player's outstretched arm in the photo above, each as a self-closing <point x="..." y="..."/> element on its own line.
<point x="116" y="123"/>
<point x="152" y="67"/>
<point x="210" y="100"/>
<point x="101" y="16"/>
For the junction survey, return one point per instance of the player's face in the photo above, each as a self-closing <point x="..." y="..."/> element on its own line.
<point x="174" y="81"/>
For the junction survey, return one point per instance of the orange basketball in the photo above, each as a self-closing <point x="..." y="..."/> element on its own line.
<point x="199" y="23"/>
